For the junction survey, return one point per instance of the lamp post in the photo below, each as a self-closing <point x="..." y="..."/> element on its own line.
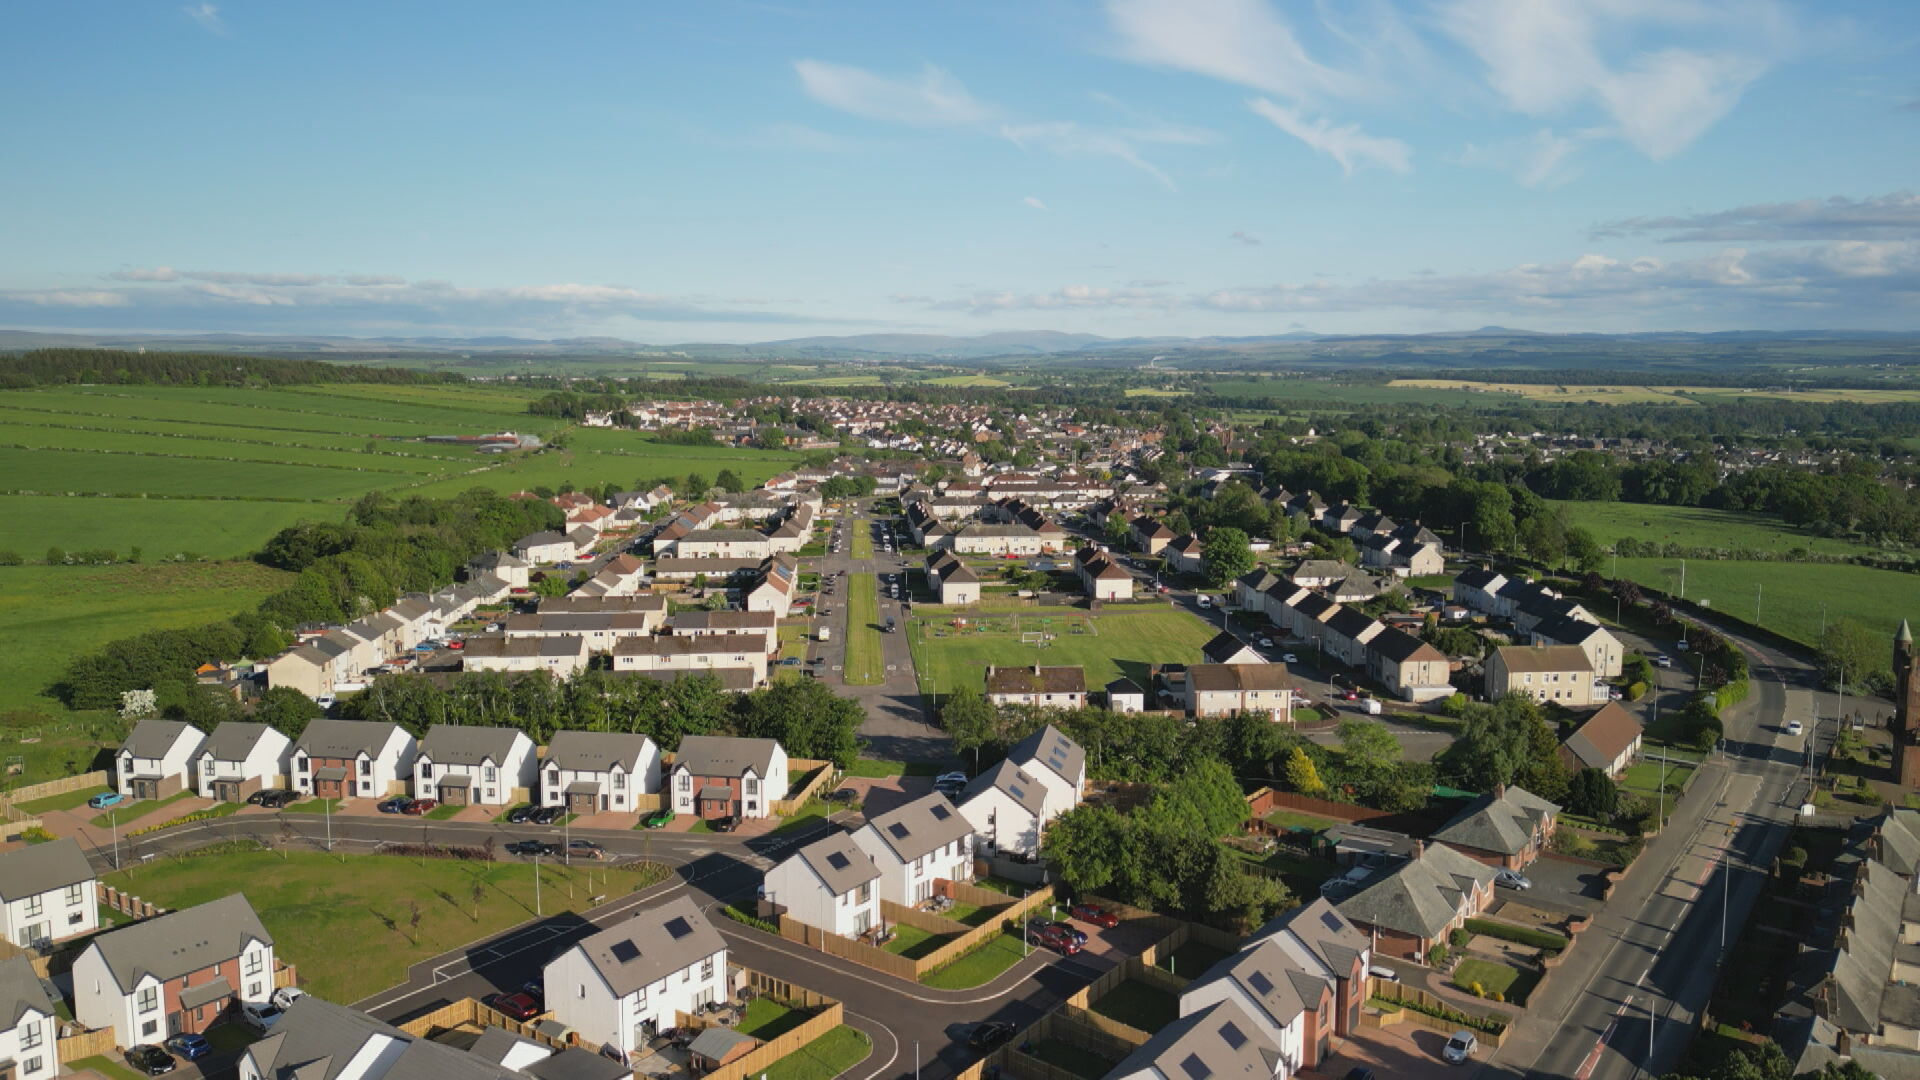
<point x="113" y="820"/>
<point x="536" y="885"/>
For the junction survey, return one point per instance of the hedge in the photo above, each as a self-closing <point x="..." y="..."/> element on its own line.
<point x="1520" y="935"/>
<point x="1489" y="1024"/>
<point x="736" y="913"/>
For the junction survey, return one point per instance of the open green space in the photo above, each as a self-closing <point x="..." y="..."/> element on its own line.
<point x="72" y="800"/>
<point x="1795" y="599"/>
<point x="865" y="664"/>
<point x="1115" y="645"/>
<point x="1138" y="1005"/>
<point x="50" y="614"/>
<point x="161" y="528"/>
<point x="312" y="901"/>
<point x="1697" y="527"/>
<point x="862" y="540"/>
<point x="976" y="968"/>
<point x="1511" y="983"/>
<point x="826" y="1057"/>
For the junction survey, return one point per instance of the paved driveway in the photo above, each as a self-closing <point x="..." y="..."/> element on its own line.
<point x="1559" y="885"/>
<point x="1402" y="1052"/>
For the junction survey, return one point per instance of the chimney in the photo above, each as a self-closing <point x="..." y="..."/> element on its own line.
<point x="1419" y="850"/>
<point x="1499" y="791"/>
<point x="1036" y="669"/>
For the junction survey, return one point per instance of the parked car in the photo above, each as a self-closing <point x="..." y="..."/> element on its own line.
<point x="989" y="1035"/>
<point x="1078" y="935"/>
<point x="189" y="1046"/>
<point x="520" y="815"/>
<point x="585" y="849"/>
<point x="1796" y="728"/>
<point x="1289" y="658"/>
<point x="1662" y="660"/>
<point x="150" y="1060"/>
<point x="548" y="815"/>
<point x="1204" y="600"/>
<point x="845" y="794"/>
<point x="1359" y="1072"/>
<point x="420" y="806"/>
<point x="1384" y="974"/>
<point x="396" y="805"/>
<point x="279" y="798"/>
<point x="261" y="1016"/>
<point x="536" y="989"/>
<point x="1266" y="643"/>
<point x="259" y="797"/>
<point x="1098" y="916"/>
<point x="284" y="997"/>
<point x="1460" y="1048"/>
<point x="1053" y="938"/>
<point x="1512" y="879"/>
<point x="532" y="847"/>
<point x="658" y="819"/>
<point x="724" y="823"/>
<point x="959" y="778"/>
<point x="106" y="799"/>
<point x="518" y="1006"/>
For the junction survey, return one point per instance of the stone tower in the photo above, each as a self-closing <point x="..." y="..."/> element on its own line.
<point x="1906" y="708"/>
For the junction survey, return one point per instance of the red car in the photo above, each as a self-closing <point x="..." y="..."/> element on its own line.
<point x="1054" y="938"/>
<point x="456" y="644"/>
<point x="518" y="1006"/>
<point x="420" y="806"/>
<point x="1101" y="917"/>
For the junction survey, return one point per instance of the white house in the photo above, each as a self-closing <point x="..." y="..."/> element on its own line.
<point x="317" y="1038"/>
<point x="47" y="893"/>
<point x="238" y="759"/>
<point x="156" y="760"/>
<point x="830" y="884"/>
<point x="27" y="1026"/>
<point x="1281" y="1000"/>
<point x="720" y="775"/>
<point x="1220" y="1040"/>
<point x="1006" y="805"/>
<point x="542" y="548"/>
<point x="177" y="973"/>
<point x="562" y="656"/>
<point x="622" y="986"/>
<point x="347" y="758"/>
<point x="916" y="845"/>
<point x="1058" y="763"/>
<point x="474" y="766"/>
<point x="594" y="771"/>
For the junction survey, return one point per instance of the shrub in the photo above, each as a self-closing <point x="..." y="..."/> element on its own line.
<point x="1520" y="935"/>
<point x="36" y="835"/>
<point x="1459" y="937"/>
<point x="1868" y="794"/>
<point x="1636" y="691"/>
<point x="1497" y="996"/>
<point x="738" y="914"/>
<point x="1437" y="955"/>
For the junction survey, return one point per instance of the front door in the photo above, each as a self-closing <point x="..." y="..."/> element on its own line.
<point x="454" y="796"/>
<point x="226" y="791"/>
<point x="145" y="789"/>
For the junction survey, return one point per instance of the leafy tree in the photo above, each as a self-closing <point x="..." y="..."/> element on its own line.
<point x="807" y="718"/>
<point x="1591" y="793"/>
<point x="56" y="556"/>
<point x="1228" y="555"/>
<point x="1368" y="746"/>
<point x="1116" y="532"/>
<point x="696" y="485"/>
<point x="286" y="710"/>
<point x="728" y="480"/>
<point x="551" y="586"/>
<point x="968" y="718"/>
<point x="1208" y="797"/>
<point x="1301" y="774"/>
<point x="1849" y="649"/>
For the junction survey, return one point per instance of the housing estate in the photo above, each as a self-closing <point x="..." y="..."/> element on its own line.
<point x="240" y="758"/>
<point x="721" y="775"/>
<point x="624" y="985"/>
<point x="47" y="893"/>
<point x="595" y="771"/>
<point x="474" y="766"/>
<point x="157" y="759"/>
<point x="831" y="884"/>
<point x="176" y="973"/>
<point x="916" y="845"/>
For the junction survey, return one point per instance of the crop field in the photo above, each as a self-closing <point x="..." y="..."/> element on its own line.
<point x="947" y="655"/>
<point x="50" y="614"/>
<point x="1795" y="599"/>
<point x="1697" y="527"/>
<point x="1651" y="395"/>
<point x="969" y="380"/>
<point x="1324" y="395"/>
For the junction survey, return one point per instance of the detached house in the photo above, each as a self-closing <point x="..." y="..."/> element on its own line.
<point x="238" y="759"/>
<point x="955" y="581"/>
<point x="474" y="766"/>
<point x="1007" y="807"/>
<point x="1058" y="763"/>
<point x="1413" y="906"/>
<point x="1292" y="1006"/>
<point x="1220" y="1040"/>
<point x="1226" y="689"/>
<point x="336" y="759"/>
<point x="720" y="775"/>
<point x="1408" y="666"/>
<point x="1052" y="687"/>
<point x="830" y="884"/>
<point x="1508" y="828"/>
<point x="28" y="1030"/>
<point x="1608" y="740"/>
<point x="916" y="845"/>
<point x="178" y="973"/>
<point x="594" y="771"/>
<point x="157" y="759"/>
<point x="1101" y="575"/>
<point x="47" y="893"/>
<point x="623" y="986"/>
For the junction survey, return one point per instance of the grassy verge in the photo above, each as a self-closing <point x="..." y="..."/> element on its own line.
<point x="442" y="812"/>
<point x="826" y="1057"/>
<point x="313" y="901"/>
<point x="982" y="965"/>
<point x="862" y="539"/>
<point x="864" y="666"/>
<point x="105" y="1066"/>
<point x="806" y="818"/>
<point x="316" y="806"/>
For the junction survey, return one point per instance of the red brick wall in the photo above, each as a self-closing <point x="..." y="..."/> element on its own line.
<point x="229" y="969"/>
<point x="731" y="783"/>
<point x="1394" y="943"/>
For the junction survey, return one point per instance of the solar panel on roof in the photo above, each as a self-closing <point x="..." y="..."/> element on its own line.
<point x="1017" y="792"/>
<point x="625" y="951"/>
<point x="1234" y="1036"/>
<point x="1331" y="921"/>
<point x="1261" y="983"/>
<point x="678" y="928"/>
<point x="1195" y="1068"/>
<point x="898" y="830"/>
<point x="940" y="813"/>
<point x="837" y="860"/>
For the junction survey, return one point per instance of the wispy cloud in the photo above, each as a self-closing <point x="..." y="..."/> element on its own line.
<point x="934" y="99"/>
<point x="1034" y="201"/>
<point x="1245" y="237"/>
<point x="1344" y="143"/>
<point x="1237" y="41"/>
<point x="1895" y="216"/>
<point x="1542" y="160"/>
<point x="1064" y="298"/>
<point x="208" y="16"/>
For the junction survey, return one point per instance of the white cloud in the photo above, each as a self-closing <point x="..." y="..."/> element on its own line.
<point x="72" y="298"/>
<point x="1891" y="216"/>
<point x="1543" y="160"/>
<point x="1034" y="201"/>
<point x="1245" y="237"/>
<point x="208" y="16"/>
<point x="1064" y="298"/>
<point x="1344" y="143"/>
<point x="935" y="99"/>
<point x="1236" y="41"/>
<point x="1071" y="140"/>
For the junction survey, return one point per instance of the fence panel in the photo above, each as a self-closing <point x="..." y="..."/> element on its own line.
<point x="823" y="773"/>
<point x="55" y="787"/>
<point x="1106" y="1025"/>
<point x="86" y="1044"/>
<point x="925" y="920"/>
<point x="980" y="935"/>
<point x="848" y="949"/>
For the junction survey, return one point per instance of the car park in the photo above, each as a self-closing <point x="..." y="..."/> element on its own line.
<point x="396" y="805"/>
<point x="188" y="1045"/>
<point x="1512" y="879"/>
<point x="106" y="799"/>
<point x="150" y="1060"/>
<point x="1460" y="1048"/>
<point x="1098" y="916"/>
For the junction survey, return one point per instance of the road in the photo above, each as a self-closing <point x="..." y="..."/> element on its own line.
<point x="898" y="1016"/>
<point x="897" y="726"/>
<point x="1626" y="1002"/>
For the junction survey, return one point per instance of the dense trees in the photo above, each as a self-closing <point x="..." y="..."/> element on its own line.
<point x="48" y="367"/>
<point x="1228" y="555"/>
<point x="1508" y="742"/>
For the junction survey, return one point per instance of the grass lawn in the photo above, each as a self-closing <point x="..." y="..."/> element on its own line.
<point x="442" y="812"/>
<point x="876" y="768"/>
<point x="316" y="806"/>
<point x="793" y="640"/>
<point x="982" y="965"/>
<point x="1136" y="1004"/>
<point x="805" y="818"/>
<point x="1189" y="961"/>
<point x="913" y="942"/>
<point x="127" y="812"/>
<point x="862" y="539"/>
<point x="826" y="1057"/>
<point x="1510" y="983"/>
<point x="105" y="1066"/>
<point x="1290" y="819"/>
<point x="313" y="901"/>
<point x="1696" y="527"/>
<point x="72" y="800"/>
<point x="1796" y="596"/>
<point x="1065" y="1055"/>
<point x="865" y="665"/>
<point x="1119" y="645"/>
<point x="767" y="1019"/>
<point x="1644" y="777"/>
<point x="970" y="914"/>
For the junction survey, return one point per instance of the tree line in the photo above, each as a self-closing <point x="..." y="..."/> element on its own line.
<point x="57" y="367"/>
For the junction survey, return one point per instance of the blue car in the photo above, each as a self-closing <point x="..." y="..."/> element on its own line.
<point x="105" y="799"/>
<point x="191" y="1047"/>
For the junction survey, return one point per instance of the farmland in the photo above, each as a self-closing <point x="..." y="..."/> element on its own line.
<point x="946" y="655"/>
<point x="1575" y="393"/>
<point x="1697" y="527"/>
<point x="1795" y="598"/>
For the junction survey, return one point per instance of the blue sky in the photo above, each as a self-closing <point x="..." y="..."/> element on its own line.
<point x="736" y="171"/>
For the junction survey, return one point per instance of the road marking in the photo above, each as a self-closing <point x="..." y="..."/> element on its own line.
<point x="1600" y="1044"/>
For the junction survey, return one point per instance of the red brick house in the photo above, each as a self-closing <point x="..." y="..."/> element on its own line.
<point x="1507" y="829"/>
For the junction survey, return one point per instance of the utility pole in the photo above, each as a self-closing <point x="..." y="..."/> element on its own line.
<point x="113" y="820"/>
<point x="1759" y="589"/>
<point x="1683" y="579"/>
<point x="327" y="805"/>
<point x="536" y="885"/>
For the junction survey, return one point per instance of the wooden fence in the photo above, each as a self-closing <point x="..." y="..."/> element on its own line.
<point x="54" y="787"/>
<point x="846" y="948"/>
<point x="762" y="1057"/>
<point x="126" y="903"/>
<point x="1409" y="995"/>
<point x="467" y="1012"/>
<point x="1413" y="823"/>
<point x="85" y="1044"/>
<point x="14" y="826"/>
<point x="964" y="938"/>
<point x="823" y="772"/>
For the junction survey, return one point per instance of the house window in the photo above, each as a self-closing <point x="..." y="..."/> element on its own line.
<point x="706" y="969"/>
<point x="753" y="786"/>
<point x="33" y="1065"/>
<point x="30" y="1036"/>
<point x="149" y="1028"/>
<point x="686" y="781"/>
<point x="149" y="998"/>
<point x="619" y="781"/>
<point x="300" y="764"/>
<point x="366" y="767"/>
<point x="486" y="775"/>
<point x="35" y="905"/>
<point x="255" y="963"/>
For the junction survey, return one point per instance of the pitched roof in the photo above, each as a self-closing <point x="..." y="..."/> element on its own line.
<point x="1534" y="658"/>
<point x="1237" y="678"/>
<point x="839" y="862"/>
<point x="691" y="645"/>
<point x="597" y="751"/>
<point x="1419" y="896"/>
<point x="182" y="941"/>
<point x="456" y="744"/>
<point x="1223" y="647"/>
<point x="1401" y="647"/>
<point x="319" y="1040"/>
<point x="153" y="737"/>
<point x="922" y="826"/>
<point x="1219" y="1042"/>
<point x="655" y="943"/>
<point x="722" y="620"/>
<point x="39" y="868"/>
<point x="1600" y="739"/>
<point x="20" y="990"/>
<point x="345" y="738"/>
<point x="725" y="755"/>
<point x="1018" y="785"/>
<point x="1269" y="978"/>
<point x="1504" y="821"/>
<point x="1048" y="748"/>
<point x="1322" y="930"/>
<point x="1037" y="679"/>
<point x="499" y="646"/>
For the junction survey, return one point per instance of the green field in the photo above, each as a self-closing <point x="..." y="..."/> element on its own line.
<point x="865" y="665"/>
<point x="1324" y="395"/>
<point x="969" y="380"/>
<point x="1794" y="598"/>
<point x="1119" y="644"/>
<point x="310" y="902"/>
<point x="49" y="614"/>
<point x="1697" y="527"/>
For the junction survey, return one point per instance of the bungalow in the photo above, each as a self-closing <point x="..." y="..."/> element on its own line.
<point x="474" y="766"/>
<point x="1508" y="828"/>
<point x="1125" y="696"/>
<point x="1561" y="674"/>
<point x="1219" y="1040"/>
<point x="544" y="548"/>
<point x="916" y="845"/>
<point x="27" y="1026"/>
<point x="830" y="884"/>
<point x="47" y="893"/>
<point x="336" y="759"/>
<point x="1101" y="575"/>
<point x="1224" y="648"/>
<point x="1185" y="555"/>
<point x="1608" y="740"/>
<point x="702" y="652"/>
<point x="1058" y="763"/>
<point x="955" y="581"/>
<point x="594" y="771"/>
<point x="1060" y="687"/>
<point x="1294" y="1007"/>
<point x="1412" y="906"/>
<point x="762" y="624"/>
<point x="1408" y="666"/>
<point x="623" y="986"/>
<point x="720" y="775"/>
<point x="175" y="974"/>
<point x="157" y="759"/>
<point x="562" y="655"/>
<point x="1007" y="807"/>
<point x="240" y="758"/>
<point x="1229" y="689"/>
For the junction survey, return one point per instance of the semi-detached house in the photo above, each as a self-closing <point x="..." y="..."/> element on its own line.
<point x="916" y="845"/>
<point x="157" y="759"/>
<point x="47" y="893"/>
<point x="561" y="656"/>
<point x="1059" y="763"/>
<point x="593" y="771"/>
<point x="830" y="884"/>
<point x="720" y="775"/>
<point x="1292" y="1006"/>
<point x="677" y="653"/>
<point x="627" y="984"/>
<point x="1007" y="807"/>
<point x="1058" y="687"/>
<point x="177" y="973"/>
<point x="336" y="759"/>
<point x="1410" y="907"/>
<point x="1220" y="1040"/>
<point x="1507" y="828"/>
<point x="238" y="759"/>
<point x="474" y="766"/>
<point x="28" y="1028"/>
